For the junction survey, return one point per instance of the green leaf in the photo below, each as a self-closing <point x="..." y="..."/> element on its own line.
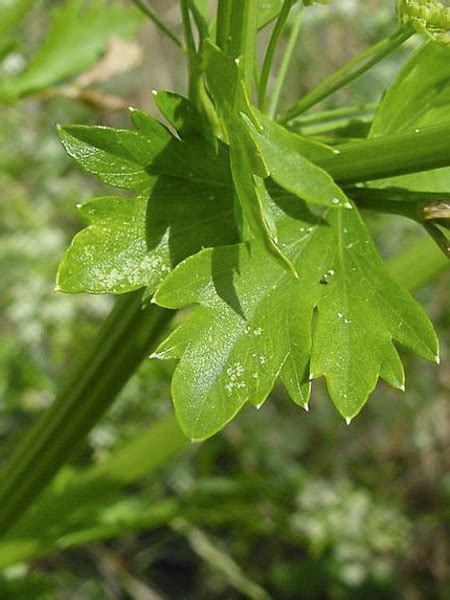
<point x="247" y="166"/>
<point x="420" y="95"/>
<point x="79" y="33"/>
<point x="184" y="197"/>
<point x="268" y="11"/>
<point x="129" y="159"/>
<point x="178" y="111"/>
<point x="111" y="255"/>
<point x="134" y="242"/>
<point x="259" y="148"/>
<point x="118" y="157"/>
<point x="284" y="154"/>
<point x="255" y="321"/>
<point x="182" y="114"/>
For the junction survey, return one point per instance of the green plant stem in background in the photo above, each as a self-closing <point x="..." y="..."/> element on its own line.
<point x="418" y="265"/>
<point x="212" y="554"/>
<point x="126" y="338"/>
<point x="353" y="69"/>
<point x="285" y="62"/>
<point x="270" y="52"/>
<point x="11" y="13"/>
<point x="329" y="120"/>
<point x="157" y="22"/>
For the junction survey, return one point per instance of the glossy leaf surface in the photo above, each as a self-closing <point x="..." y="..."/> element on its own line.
<point x="184" y="197"/>
<point x="255" y="321"/>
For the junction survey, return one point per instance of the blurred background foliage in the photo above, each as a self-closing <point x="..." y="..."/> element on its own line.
<point x="282" y="504"/>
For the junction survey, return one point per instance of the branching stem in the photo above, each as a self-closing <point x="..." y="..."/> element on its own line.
<point x="353" y="69"/>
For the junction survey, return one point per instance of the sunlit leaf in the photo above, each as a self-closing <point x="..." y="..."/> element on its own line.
<point x="255" y="321"/>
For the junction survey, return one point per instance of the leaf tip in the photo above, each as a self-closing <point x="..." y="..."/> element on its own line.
<point x="306" y="407"/>
<point x="348" y="420"/>
<point x="57" y="288"/>
<point x="437" y="359"/>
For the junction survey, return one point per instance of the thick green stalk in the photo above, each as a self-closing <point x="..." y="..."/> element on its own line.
<point x="125" y="340"/>
<point x="388" y="156"/>
<point x="395" y="201"/>
<point x="270" y="53"/>
<point x="353" y="69"/>
<point x="224" y="10"/>
<point x="242" y="37"/>
<point x="418" y="206"/>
